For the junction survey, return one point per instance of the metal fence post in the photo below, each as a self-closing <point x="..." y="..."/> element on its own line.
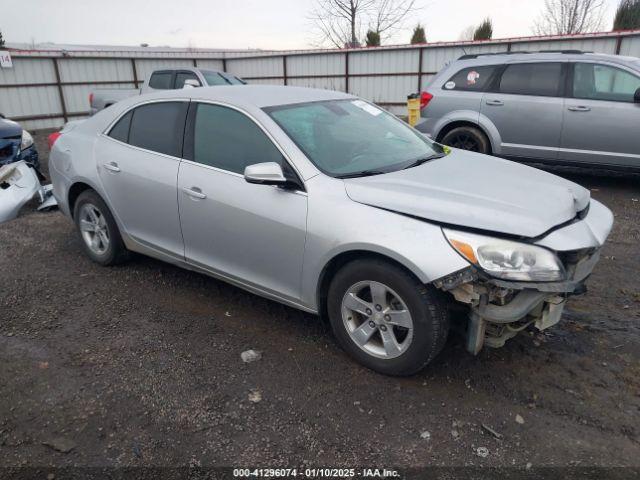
<point x="421" y="53"/>
<point x="284" y="68"/>
<point x="60" y="90"/>
<point x="346" y="71"/>
<point x="135" y="72"/>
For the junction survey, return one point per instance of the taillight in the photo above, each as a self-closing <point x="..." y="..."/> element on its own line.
<point x="51" y="139"/>
<point x="90" y="99"/>
<point x="425" y="98"/>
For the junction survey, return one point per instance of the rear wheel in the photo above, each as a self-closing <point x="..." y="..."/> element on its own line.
<point x="98" y="230"/>
<point x="385" y="318"/>
<point x="467" y="138"/>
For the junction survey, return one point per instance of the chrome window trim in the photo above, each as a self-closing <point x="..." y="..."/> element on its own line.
<point x="233" y="174"/>
<point x="132" y="107"/>
<point x="140" y="149"/>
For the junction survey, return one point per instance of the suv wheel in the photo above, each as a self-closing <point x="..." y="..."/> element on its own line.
<point x="385" y="318"/>
<point x="467" y="138"/>
<point x="98" y="231"/>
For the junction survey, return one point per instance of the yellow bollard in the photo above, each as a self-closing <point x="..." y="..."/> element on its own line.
<point x="413" y="105"/>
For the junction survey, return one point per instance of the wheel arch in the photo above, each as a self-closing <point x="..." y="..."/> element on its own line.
<point x="465" y="123"/>
<point x="341" y="259"/>
<point x="74" y="192"/>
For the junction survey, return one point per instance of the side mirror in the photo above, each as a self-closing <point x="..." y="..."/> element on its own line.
<point x="636" y="97"/>
<point x="268" y="173"/>
<point x="191" y="83"/>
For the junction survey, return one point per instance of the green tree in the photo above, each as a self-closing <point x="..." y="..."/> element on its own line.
<point x="1" y="41"/>
<point x="484" y="30"/>
<point x="418" y="35"/>
<point x="627" y="16"/>
<point x="372" y="39"/>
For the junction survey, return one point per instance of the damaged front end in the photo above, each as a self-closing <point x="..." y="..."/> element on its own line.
<point x="499" y="309"/>
<point x="19" y="184"/>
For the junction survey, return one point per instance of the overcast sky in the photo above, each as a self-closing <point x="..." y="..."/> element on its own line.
<point x="266" y="24"/>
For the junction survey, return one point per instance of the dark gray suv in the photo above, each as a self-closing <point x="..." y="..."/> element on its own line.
<point x="550" y="107"/>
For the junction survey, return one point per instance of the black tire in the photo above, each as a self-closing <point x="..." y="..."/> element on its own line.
<point x="426" y="305"/>
<point x="116" y="252"/>
<point x="467" y="138"/>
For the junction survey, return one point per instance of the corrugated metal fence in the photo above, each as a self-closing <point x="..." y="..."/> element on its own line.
<point x="46" y="88"/>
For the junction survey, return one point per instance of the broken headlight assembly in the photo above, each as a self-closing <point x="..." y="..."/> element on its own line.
<point x="507" y="259"/>
<point x="27" y="140"/>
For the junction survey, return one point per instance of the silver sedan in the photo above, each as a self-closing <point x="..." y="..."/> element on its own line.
<point x="325" y="202"/>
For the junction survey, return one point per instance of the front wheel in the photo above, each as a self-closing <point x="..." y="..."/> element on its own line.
<point x="385" y="318"/>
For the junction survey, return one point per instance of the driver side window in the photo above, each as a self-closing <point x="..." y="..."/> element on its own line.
<point x="227" y="139"/>
<point x="602" y="82"/>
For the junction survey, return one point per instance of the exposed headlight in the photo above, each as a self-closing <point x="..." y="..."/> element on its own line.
<point x="27" y="140"/>
<point x="507" y="259"/>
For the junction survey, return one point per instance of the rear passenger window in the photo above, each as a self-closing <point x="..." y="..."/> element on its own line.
<point x="474" y="79"/>
<point x="227" y="139"/>
<point x="161" y="80"/>
<point x="159" y="127"/>
<point x="541" y="79"/>
<point x="120" y="131"/>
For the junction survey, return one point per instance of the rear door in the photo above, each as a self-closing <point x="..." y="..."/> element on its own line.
<point x="601" y="120"/>
<point x="138" y="162"/>
<point x="525" y="104"/>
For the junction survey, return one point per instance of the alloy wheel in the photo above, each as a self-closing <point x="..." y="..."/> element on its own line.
<point x="377" y="319"/>
<point x="464" y="141"/>
<point x="93" y="227"/>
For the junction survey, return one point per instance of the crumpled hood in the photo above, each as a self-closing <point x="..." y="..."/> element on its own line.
<point x="475" y="191"/>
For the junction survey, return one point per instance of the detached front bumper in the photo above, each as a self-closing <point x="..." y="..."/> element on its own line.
<point x="499" y="309"/>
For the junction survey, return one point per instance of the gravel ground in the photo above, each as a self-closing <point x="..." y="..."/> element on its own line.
<point x="139" y="365"/>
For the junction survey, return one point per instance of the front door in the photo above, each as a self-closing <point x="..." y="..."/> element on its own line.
<point x="601" y="120"/>
<point x="253" y="234"/>
<point x="526" y="108"/>
<point x="138" y="164"/>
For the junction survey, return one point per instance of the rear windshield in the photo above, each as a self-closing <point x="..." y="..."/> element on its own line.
<point x="220" y="78"/>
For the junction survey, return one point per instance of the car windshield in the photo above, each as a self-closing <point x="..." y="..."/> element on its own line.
<point x="350" y="138"/>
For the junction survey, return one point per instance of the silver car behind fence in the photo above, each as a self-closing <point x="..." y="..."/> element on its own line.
<point x="325" y="202"/>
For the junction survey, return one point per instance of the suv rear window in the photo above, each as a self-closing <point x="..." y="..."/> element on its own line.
<point x="540" y="79"/>
<point x="473" y="79"/>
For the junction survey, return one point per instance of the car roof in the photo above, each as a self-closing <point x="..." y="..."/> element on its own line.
<point x="570" y="55"/>
<point x="252" y="96"/>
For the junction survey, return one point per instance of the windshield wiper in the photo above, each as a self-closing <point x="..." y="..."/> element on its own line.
<point x="420" y="161"/>
<point x="363" y="173"/>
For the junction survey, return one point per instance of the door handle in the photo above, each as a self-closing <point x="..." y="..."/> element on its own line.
<point x="112" y="166"/>
<point x="194" y="192"/>
<point x="495" y="103"/>
<point x="579" y="108"/>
